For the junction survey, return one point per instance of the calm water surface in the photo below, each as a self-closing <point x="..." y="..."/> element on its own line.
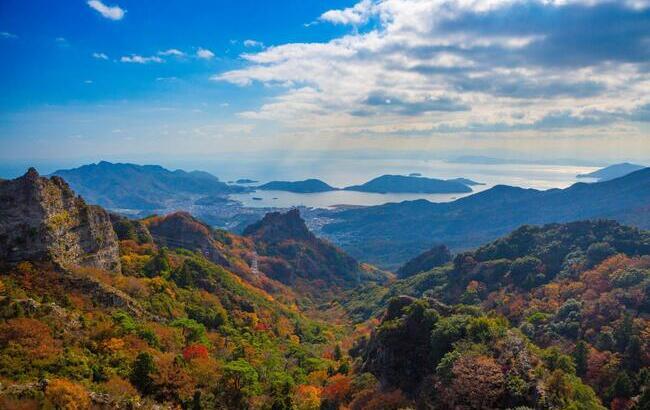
<point x="341" y="173"/>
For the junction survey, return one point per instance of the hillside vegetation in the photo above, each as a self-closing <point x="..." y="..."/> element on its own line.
<point x="546" y="317"/>
<point x="579" y="288"/>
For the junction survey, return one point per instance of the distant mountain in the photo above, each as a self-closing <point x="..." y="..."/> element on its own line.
<point x="131" y="186"/>
<point x="612" y="171"/>
<point x="466" y="181"/>
<point x="246" y="181"/>
<point x="301" y="187"/>
<point x="409" y="184"/>
<point x="390" y="234"/>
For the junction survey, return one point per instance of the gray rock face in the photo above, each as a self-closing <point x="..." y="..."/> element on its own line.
<point x="43" y="219"/>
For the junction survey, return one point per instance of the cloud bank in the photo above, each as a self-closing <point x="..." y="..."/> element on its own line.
<point x="472" y="66"/>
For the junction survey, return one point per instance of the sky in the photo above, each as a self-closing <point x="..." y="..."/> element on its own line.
<point x="196" y="79"/>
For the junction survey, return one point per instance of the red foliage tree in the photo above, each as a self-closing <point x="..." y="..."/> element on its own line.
<point x="195" y="351"/>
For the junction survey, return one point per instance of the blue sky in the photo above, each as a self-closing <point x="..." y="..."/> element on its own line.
<point x="149" y="78"/>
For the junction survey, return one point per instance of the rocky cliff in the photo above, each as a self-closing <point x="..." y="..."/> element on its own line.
<point x="43" y="219"/>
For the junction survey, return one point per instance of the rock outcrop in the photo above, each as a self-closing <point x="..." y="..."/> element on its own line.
<point x="43" y="219"/>
<point x="182" y="230"/>
<point x="290" y="253"/>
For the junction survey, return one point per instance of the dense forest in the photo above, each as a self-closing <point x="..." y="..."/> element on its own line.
<point x="187" y="316"/>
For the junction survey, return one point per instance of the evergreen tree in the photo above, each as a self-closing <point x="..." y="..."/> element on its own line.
<point x="580" y="358"/>
<point x="143" y="367"/>
<point x="622" y="387"/>
<point x="338" y="355"/>
<point x="633" y="354"/>
<point x="158" y="265"/>
<point x="624" y="332"/>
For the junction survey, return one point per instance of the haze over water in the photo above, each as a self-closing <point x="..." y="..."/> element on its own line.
<point x="342" y="172"/>
<point x="345" y="172"/>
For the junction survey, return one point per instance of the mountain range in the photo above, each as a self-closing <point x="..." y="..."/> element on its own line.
<point x="102" y="311"/>
<point x="388" y="235"/>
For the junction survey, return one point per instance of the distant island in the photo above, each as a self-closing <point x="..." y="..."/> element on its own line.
<point x="246" y="181"/>
<point x="384" y="184"/>
<point x="308" y="186"/>
<point x="466" y="181"/>
<point x="415" y="174"/>
<point x="612" y="171"/>
<point x="408" y="184"/>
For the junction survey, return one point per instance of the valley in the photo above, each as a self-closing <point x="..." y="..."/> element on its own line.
<point x="177" y="312"/>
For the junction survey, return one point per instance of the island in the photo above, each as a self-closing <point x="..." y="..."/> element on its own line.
<point x="308" y="186"/>
<point x="612" y="171"/>
<point x="246" y="181"/>
<point x="408" y="184"/>
<point x="466" y="181"/>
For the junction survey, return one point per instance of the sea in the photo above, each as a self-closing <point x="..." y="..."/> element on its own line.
<point x="352" y="171"/>
<point x="341" y="172"/>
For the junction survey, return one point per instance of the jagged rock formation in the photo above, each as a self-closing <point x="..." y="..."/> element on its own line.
<point x="182" y="230"/>
<point x="291" y="254"/>
<point x="43" y="219"/>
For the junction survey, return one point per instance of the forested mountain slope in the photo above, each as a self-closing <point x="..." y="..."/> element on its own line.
<point x="555" y="316"/>
<point x="389" y="235"/>
<point x="580" y="288"/>
<point x="173" y="326"/>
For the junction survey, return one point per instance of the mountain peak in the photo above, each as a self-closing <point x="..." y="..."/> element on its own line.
<point x="276" y="227"/>
<point x="43" y="219"/>
<point x="31" y="173"/>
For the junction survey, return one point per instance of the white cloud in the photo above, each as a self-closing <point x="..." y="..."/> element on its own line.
<point x="440" y="73"/>
<point x="110" y="12"/>
<point x="171" y="52"/>
<point x="137" y="59"/>
<point x="253" y="43"/>
<point x="204" y="53"/>
<point x="100" y="56"/>
<point x="6" y="34"/>
<point x="358" y="14"/>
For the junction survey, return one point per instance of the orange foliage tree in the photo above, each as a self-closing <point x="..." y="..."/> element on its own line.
<point x="306" y="397"/>
<point x="31" y="334"/>
<point x="337" y="390"/>
<point x="66" y="395"/>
